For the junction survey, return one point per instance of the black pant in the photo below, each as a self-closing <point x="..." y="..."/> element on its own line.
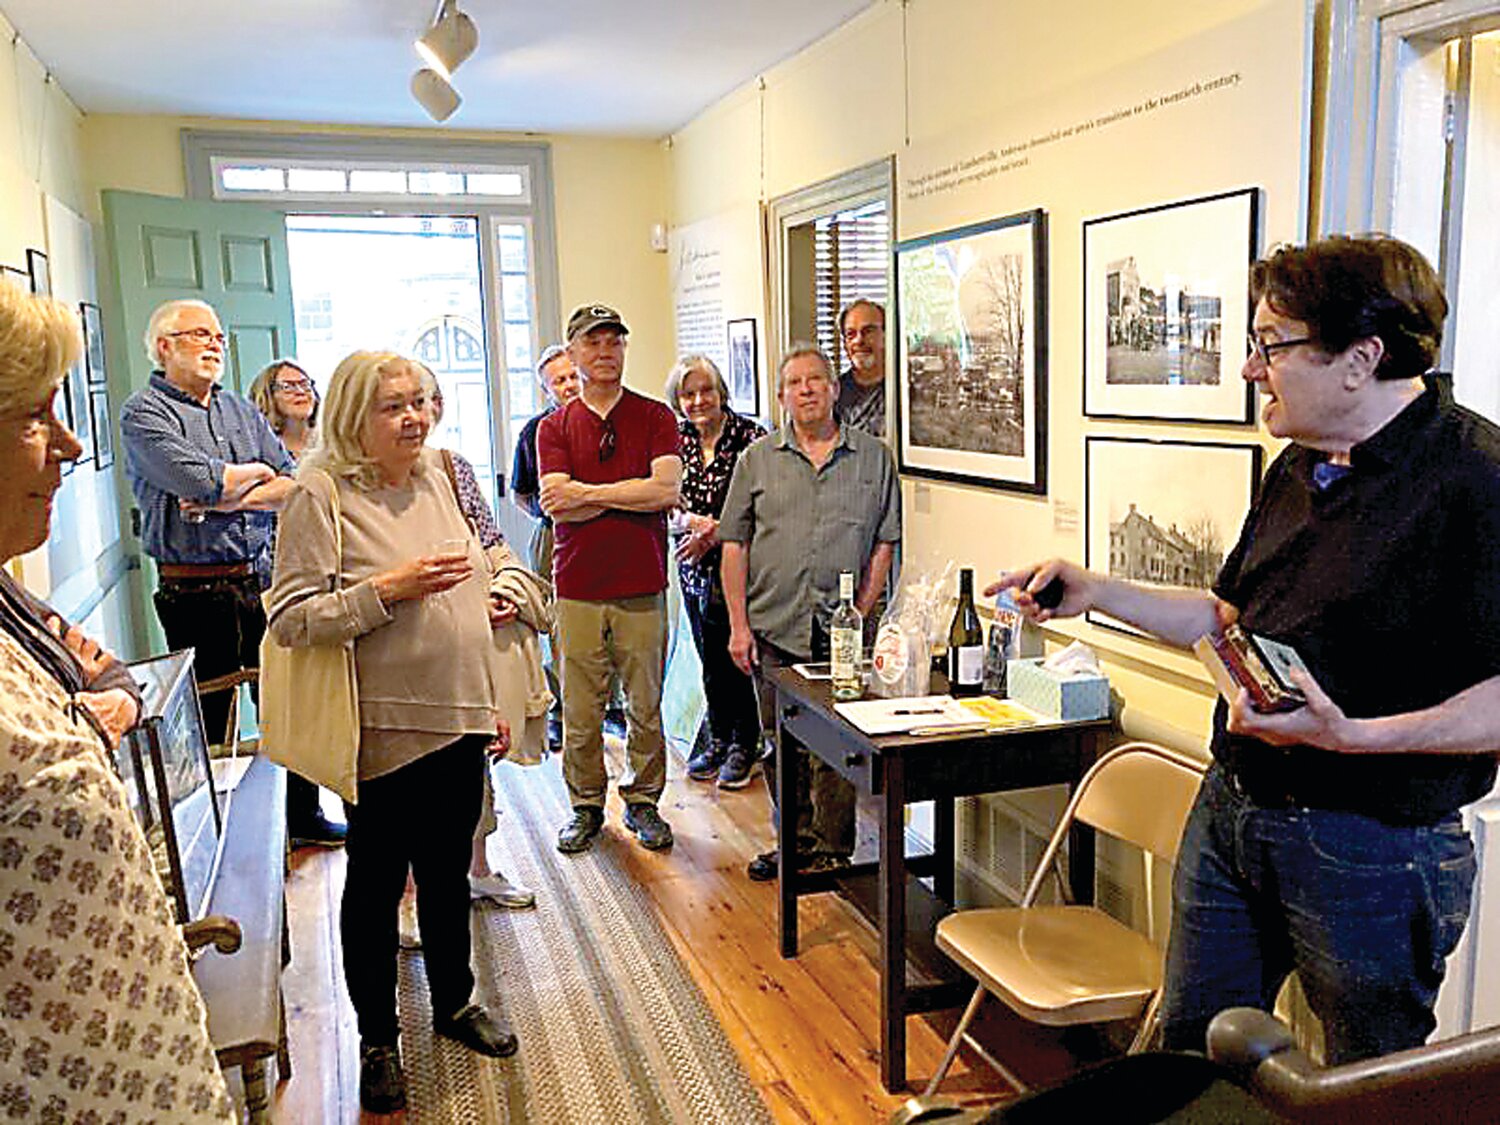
<point x="421" y="816"/>
<point x="222" y="621"/>
<point x="733" y="718"/>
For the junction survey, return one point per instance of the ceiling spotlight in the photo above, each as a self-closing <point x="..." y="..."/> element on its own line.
<point x="435" y="94"/>
<point x="449" y="41"/>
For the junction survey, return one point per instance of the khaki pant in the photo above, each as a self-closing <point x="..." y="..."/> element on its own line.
<point x="596" y="640"/>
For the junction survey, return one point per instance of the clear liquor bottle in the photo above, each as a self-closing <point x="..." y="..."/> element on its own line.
<point x="846" y="642"/>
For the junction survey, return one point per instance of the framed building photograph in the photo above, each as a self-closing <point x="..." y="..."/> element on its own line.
<point x="743" y="375"/>
<point x="93" y="342"/>
<point x="1166" y="310"/>
<point x="972" y="382"/>
<point x="1164" y="512"/>
<point x="41" y="273"/>
<point x="104" y="444"/>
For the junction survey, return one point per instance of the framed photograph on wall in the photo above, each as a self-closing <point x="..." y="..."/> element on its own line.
<point x="73" y="408"/>
<point x="972" y="384"/>
<point x="1164" y="512"/>
<point x="1166" y="310"/>
<point x="743" y="375"/>
<point x="93" y="342"/>
<point x="104" y="444"/>
<point x="10" y="275"/>
<point x="40" y="271"/>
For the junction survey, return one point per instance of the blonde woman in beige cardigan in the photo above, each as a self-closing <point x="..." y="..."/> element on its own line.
<point x="407" y="591"/>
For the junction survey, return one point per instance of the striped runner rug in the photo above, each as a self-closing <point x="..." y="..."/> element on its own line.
<point x="613" y="1028"/>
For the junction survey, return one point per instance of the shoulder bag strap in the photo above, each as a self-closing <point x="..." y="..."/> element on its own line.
<point x="457" y="498"/>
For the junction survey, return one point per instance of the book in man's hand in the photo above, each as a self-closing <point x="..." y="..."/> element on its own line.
<point x="1237" y="658"/>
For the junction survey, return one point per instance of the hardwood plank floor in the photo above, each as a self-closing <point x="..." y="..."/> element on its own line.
<point x="806" y="1029"/>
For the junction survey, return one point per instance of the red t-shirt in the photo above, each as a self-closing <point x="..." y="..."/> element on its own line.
<point x="617" y="554"/>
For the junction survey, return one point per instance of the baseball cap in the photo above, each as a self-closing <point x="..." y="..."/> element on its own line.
<point x="552" y="352"/>
<point x="586" y="318"/>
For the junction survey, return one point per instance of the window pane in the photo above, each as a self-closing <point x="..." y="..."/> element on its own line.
<point x="377" y="181"/>
<point x="315" y="179"/>
<point x="517" y="345"/>
<point x="512" y="241"/>
<point x="436" y="183"/>
<point x="496" y="183"/>
<point x="513" y="295"/>
<point x="246" y="178"/>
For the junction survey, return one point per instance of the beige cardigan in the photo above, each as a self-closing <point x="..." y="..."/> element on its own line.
<point x="426" y="667"/>
<point x="524" y="696"/>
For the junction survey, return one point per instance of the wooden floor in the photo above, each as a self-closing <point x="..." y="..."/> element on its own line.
<point x="805" y="1029"/>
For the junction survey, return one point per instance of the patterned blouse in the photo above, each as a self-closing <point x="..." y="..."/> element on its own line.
<point x="99" y="1018"/>
<point x="705" y="486"/>
<point x="471" y="502"/>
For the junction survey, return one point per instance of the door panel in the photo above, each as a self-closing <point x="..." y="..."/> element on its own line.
<point x="232" y="255"/>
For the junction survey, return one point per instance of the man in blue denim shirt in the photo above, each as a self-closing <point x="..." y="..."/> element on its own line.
<point x="207" y="473"/>
<point x="1327" y="839"/>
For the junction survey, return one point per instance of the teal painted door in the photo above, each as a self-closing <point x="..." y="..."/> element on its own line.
<point x="232" y="255"/>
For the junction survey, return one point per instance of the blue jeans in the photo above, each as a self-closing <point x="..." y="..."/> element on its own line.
<point x="1365" y="912"/>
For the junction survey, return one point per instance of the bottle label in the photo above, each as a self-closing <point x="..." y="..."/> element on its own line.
<point x="890" y="655"/>
<point x="843" y="653"/>
<point x="970" y="664"/>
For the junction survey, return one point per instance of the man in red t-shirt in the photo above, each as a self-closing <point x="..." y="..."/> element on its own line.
<point x="610" y="470"/>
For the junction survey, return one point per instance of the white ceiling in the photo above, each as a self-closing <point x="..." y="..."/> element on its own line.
<point x="629" y="67"/>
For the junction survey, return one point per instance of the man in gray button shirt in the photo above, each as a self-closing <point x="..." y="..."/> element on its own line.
<point x="813" y="499"/>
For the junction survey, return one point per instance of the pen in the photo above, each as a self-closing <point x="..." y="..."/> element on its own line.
<point x="917" y="711"/>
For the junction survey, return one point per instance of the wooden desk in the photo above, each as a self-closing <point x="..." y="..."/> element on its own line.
<point x="899" y="770"/>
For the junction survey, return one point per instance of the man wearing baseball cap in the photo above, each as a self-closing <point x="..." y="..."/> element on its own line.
<point x="610" y="470"/>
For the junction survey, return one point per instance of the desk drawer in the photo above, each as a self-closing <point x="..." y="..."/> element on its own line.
<point x="831" y="741"/>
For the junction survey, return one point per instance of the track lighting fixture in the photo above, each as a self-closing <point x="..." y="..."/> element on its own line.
<point x="435" y="94"/>
<point x="449" y="41"/>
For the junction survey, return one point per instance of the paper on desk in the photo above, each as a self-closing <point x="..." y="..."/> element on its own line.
<point x="897" y="716"/>
<point x="228" y="771"/>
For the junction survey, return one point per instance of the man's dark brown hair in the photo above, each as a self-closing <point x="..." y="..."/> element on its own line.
<point x="1346" y="288"/>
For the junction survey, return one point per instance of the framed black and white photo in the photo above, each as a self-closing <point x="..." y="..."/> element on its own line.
<point x="73" y="408"/>
<point x="93" y="342"/>
<point x="972" y="384"/>
<point x="41" y="273"/>
<point x="743" y="375"/>
<point x="1166" y="310"/>
<point x="104" y="445"/>
<point x="1164" y="512"/>
<point x="10" y="275"/>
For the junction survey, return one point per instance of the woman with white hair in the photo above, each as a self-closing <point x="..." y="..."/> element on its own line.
<point x="102" y="1020"/>
<point x="713" y="436"/>
<point x="404" y="589"/>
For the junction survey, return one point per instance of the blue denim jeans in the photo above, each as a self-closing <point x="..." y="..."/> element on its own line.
<point x="1365" y="912"/>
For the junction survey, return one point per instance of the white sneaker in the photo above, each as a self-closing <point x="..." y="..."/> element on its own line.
<point x="408" y="935"/>
<point x="501" y="891"/>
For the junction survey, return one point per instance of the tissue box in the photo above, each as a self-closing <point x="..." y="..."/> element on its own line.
<point x="1062" y="697"/>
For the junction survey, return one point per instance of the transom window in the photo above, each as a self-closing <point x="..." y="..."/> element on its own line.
<point x="292" y="181"/>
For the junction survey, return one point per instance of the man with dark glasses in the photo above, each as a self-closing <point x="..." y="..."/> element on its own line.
<point x="610" y="470"/>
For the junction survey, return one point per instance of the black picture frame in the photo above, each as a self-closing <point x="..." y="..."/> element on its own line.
<point x="103" y="422"/>
<point x="971" y="405"/>
<point x="1164" y="512"/>
<point x="93" y="342"/>
<point x="40" y="272"/>
<point x="743" y="375"/>
<point x="1166" y="307"/>
<point x="13" y="275"/>
<point x="73" y="406"/>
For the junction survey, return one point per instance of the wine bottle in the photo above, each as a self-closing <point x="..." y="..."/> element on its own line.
<point x="965" y="641"/>
<point x="846" y="642"/>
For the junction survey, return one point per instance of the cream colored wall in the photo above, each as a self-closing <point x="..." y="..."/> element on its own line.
<point x="908" y="79"/>
<point x="607" y="194"/>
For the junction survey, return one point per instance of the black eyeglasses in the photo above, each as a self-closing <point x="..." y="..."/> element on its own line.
<point x="607" y="441"/>
<point x="200" y="336"/>
<point x="1265" y="351"/>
